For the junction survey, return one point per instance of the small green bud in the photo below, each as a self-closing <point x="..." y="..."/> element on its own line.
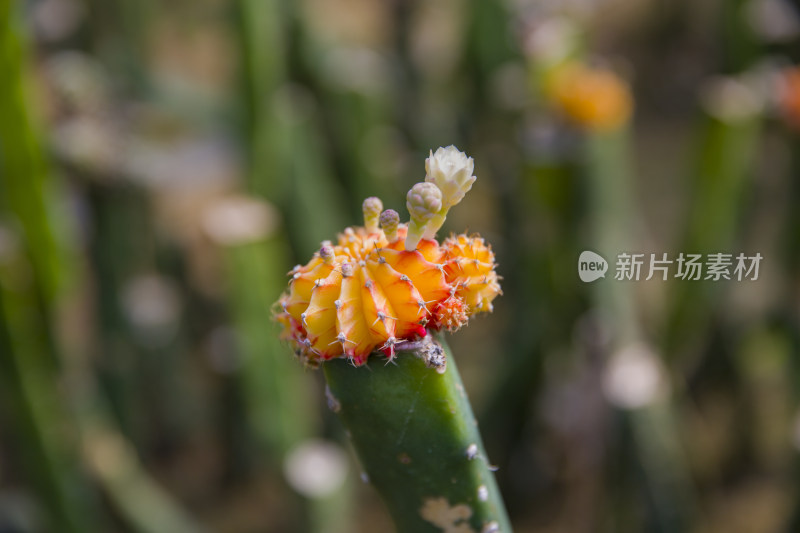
<point x="371" y="208"/>
<point x="390" y="220"/>
<point x="423" y="201"/>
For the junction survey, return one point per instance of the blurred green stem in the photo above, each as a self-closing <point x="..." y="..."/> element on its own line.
<point x="24" y="187"/>
<point x="726" y="155"/>
<point x="287" y="154"/>
<point x="119" y="255"/>
<point x="119" y="33"/>
<point x="762" y="358"/>
<point x="741" y="47"/>
<point x="41" y="425"/>
<point x="543" y="215"/>
<point x="277" y="390"/>
<point x="612" y="217"/>
<point x="143" y="504"/>
<point x="288" y="166"/>
<point x="791" y="237"/>
<point x="29" y="274"/>
<point x="30" y="369"/>
<point x="264" y="45"/>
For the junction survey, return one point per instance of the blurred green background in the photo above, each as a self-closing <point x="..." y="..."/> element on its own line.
<point x="163" y="164"/>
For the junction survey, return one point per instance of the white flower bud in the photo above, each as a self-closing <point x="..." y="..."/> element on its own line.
<point x="451" y="171"/>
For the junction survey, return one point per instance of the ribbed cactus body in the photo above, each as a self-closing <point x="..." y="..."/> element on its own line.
<point x="373" y="293"/>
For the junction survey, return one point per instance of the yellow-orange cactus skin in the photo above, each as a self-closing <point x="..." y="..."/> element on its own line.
<point x="369" y="293"/>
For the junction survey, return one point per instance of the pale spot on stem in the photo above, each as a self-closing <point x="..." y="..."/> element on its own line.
<point x="452" y="519"/>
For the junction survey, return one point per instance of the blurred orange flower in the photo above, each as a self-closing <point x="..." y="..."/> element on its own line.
<point x="594" y="98"/>
<point x="789" y="96"/>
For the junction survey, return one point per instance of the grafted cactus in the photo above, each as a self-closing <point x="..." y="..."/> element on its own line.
<point x="383" y="289"/>
<point x="377" y="286"/>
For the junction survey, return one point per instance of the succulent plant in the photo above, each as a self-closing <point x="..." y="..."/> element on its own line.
<point x="388" y="288"/>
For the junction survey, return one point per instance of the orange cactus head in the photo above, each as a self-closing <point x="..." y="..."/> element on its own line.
<point x="369" y="291"/>
<point x="593" y="98"/>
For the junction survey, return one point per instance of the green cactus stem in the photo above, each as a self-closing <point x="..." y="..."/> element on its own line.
<point x="417" y="439"/>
